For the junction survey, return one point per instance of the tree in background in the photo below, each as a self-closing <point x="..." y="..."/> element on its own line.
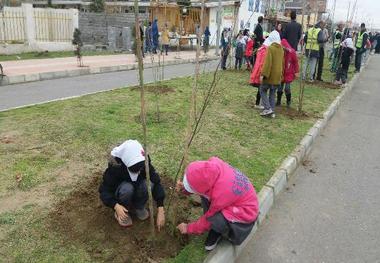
<point x="77" y="41"/>
<point x="97" y="6"/>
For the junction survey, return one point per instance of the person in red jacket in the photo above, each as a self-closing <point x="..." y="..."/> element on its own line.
<point x="249" y="53"/>
<point x="229" y="201"/>
<point x="291" y="69"/>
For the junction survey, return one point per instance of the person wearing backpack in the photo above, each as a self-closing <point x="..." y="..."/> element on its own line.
<point x="271" y="74"/>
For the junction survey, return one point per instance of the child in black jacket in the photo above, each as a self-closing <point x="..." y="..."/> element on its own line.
<point x="124" y="185"/>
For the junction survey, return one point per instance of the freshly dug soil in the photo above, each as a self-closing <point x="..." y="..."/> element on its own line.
<point x="291" y="112"/>
<point x="84" y="221"/>
<point x="322" y="84"/>
<point x="163" y="117"/>
<point x="162" y="89"/>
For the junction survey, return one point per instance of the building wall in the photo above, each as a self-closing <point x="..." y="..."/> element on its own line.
<point x="227" y="21"/>
<point x="248" y="18"/>
<point x="95" y="26"/>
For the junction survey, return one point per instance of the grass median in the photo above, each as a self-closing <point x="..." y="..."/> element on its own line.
<point x="53" y="155"/>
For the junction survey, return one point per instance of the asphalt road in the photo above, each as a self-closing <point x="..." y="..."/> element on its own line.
<point x="19" y="95"/>
<point x="331" y="209"/>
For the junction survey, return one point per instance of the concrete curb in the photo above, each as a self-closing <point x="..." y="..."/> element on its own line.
<point x="227" y="253"/>
<point x="9" y="80"/>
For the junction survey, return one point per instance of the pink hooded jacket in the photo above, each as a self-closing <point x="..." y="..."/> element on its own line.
<point x="291" y="67"/>
<point x="227" y="189"/>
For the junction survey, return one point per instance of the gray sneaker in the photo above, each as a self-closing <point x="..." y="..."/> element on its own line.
<point x="259" y="107"/>
<point x="142" y="214"/>
<point x="266" y="112"/>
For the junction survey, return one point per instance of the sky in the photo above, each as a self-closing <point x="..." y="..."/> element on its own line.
<point x="368" y="11"/>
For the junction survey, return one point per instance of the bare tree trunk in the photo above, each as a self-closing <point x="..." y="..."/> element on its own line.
<point x="302" y="84"/>
<point x="192" y="109"/>
<point x="143" y="114"/>
<point x="302" y="81"/>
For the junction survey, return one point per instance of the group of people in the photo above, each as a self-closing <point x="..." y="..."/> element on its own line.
<point x="228" y="198"/>
<point x="273" y="62"/>
<point x="271" y="59"/>
<point x="150" y="38"/>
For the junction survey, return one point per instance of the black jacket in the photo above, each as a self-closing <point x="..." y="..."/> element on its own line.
<point x="293" y="33"/>
<point x="258" y="36"/>
<point x="117" y="172"/>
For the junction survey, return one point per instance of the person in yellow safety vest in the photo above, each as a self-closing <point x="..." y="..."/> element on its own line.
<point x="313" y="37"/>
<point x="361" y="41"/>
<point x="338" y="34"/>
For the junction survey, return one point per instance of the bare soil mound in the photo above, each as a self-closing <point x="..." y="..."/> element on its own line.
<point x="83" y="220"/>
<point x="162" y="89"/>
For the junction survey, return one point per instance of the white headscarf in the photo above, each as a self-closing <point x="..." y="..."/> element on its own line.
<point x="187" y="186"/>
<point x="130" y="152"/>
<point x="274" y="37"/>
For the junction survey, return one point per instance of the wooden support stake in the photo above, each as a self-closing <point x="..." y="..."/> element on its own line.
<point x="143" y="113"/>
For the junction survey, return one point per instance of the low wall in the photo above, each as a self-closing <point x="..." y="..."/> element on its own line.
<point x="10" y="49"/>
<point x="95" y="27"/>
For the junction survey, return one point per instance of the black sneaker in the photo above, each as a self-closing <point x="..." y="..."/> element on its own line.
<point x="212" y="240"/>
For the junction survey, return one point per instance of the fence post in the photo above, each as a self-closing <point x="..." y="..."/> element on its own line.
<point x="75" y="14"/>
<point x="30" y="24"/>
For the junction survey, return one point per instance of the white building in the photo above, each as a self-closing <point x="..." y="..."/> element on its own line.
<point x="245" y="18"/>
<point x="249" y="13"/>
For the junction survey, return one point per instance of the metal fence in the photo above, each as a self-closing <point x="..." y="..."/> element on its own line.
<point x="12" y="25"/>
<point x="25" y="24"/>
<point x="53" y="25"/>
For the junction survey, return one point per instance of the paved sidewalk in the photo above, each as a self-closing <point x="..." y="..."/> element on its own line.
<point x="330" y="211"/>
<point x="19" y="95"/>
<point x="32" y="66"/>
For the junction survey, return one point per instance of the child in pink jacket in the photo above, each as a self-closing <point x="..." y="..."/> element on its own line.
<point x="291" y="69"/>
<point x="228" y="198"/>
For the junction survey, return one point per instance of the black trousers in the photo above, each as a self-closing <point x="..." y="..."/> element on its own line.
<point x="236" y="233"/>
<point x="320" y="63"/>
<point x="358" y="59"/>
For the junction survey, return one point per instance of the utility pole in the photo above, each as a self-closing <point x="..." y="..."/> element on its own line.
<point x="332" y="19"/>
<point x="218" y="22"/>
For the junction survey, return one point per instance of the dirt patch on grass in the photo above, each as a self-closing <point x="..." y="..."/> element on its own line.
<point x="161" y="117"/>
<point x="6" y="140"/>
<point x="83" y="220"/>
<point x="322" y="84"/>
<point x="290" y="112"/>
<point x="161" y="89"/>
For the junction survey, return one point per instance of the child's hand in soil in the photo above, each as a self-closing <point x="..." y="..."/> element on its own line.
<point x="179" y="187"/>
<point x="160" y="218"/>
<point x="182" y="228"/>
<point x="121" y="211"/>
